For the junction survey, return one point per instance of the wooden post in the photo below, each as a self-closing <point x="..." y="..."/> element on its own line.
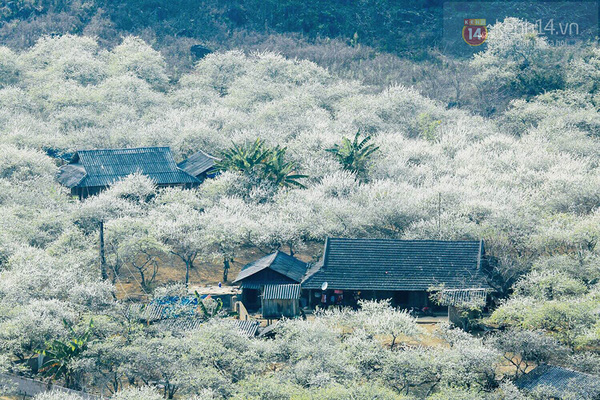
<point x="103" y="271"/>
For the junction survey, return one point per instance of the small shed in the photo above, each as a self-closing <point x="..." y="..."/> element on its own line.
<point x="560" y="383"/>
<point x="277" y="268"/>
<point x="281" y="301"/>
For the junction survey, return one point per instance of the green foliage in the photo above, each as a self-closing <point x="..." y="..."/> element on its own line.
<point x="427" y="127"/>
<point x="210" y="308"/>
<point x="9" y="67"/>
<point x="549" y="285"/>
<point x="60" y="355"/>
<point x="354" y="155"/>
<point x="567" y="320"/>
<point x="261" y="162"/>
<point x="244" y="158"/>
<point x="517" y="62"/>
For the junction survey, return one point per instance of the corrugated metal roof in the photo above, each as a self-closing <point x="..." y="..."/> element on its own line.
<point x="412" y="265"/>
<point x="561" y="382"/>
<point x="182" y="324"/>
<point x="279" y="262"/>
<point x="198" y="163"/>
<point x="281" y="292"/>
<point x="106" y="166"/>
<point x="462" y="297"/>
<point x="247" y="328"/>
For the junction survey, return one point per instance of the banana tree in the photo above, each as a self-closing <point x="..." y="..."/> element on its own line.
<point x="354" y="154"/>
<point x="59" y="356"/>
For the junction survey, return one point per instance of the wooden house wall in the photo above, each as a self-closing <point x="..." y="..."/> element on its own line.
<point x="280" y="308"/>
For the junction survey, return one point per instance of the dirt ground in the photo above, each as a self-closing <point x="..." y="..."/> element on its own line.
<point x="172" y="269"/>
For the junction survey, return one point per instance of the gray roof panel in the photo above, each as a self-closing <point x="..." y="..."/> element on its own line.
<point x="281" y="292"/>
<point x="562" y="382"/>
<point x="412" y="265"/>
<point x="106" y="166"/>
<point x="198" y="163"/>
<point x="70" y="175"/>
<point x="279" y="262"/>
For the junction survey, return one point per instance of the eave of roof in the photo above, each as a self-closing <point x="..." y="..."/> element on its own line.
<point x="281" y="292"/>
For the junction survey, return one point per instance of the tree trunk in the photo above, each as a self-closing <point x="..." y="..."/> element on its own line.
<point x="143" y="279"/>
<point x="187" y="271"/>
<point x="225" y="268"/>
<point x="103" y="271"/>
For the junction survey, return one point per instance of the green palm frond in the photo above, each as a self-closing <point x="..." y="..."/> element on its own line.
<point x="354" y="154"/>
<point x="261" y="161"/>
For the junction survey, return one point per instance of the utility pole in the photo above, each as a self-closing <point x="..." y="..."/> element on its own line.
<point x="103" y="268"/>
<point x="440" y="215"/>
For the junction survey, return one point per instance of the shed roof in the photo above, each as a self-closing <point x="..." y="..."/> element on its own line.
<point x="560" y="382"/>
<point x="99" y="168"/>
<point x="198" y="163"/>
<point x="463" y="297"/>
<point x="279" y="262"/>
<point x="411" y="265"/>
<point x="281" y="292"/>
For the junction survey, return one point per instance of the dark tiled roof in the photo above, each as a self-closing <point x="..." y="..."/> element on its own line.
<point x="281" y="292"/>
<point x="99" y="168"/>
<point x="560" y="382"/>
<point x="279" y="262"/>
<point x="198" y="163"/>
<point x="413" y="265"/>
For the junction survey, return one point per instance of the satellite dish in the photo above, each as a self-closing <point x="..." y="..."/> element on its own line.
<point x="324" y="286"/>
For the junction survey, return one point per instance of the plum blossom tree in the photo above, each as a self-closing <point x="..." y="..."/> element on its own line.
<point x="129" y="242"/>
<point x="179" y="227"/>
<point x="380" y="318"/>
<point x="224" y="231"/>
<point x="522" y="348"/>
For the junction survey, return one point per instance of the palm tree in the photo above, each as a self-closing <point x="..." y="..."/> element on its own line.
<point x="354" y="155"/>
